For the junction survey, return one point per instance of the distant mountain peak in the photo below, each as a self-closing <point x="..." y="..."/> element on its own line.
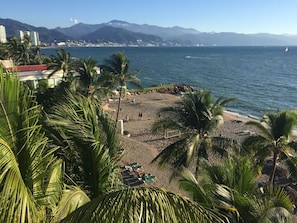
<point x="117" y="22"/>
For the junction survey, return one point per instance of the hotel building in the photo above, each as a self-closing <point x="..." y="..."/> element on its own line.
<point x="2" y="34"/>
<point x="34" y="36"/>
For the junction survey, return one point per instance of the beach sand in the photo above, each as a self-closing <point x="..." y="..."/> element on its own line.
<point x="142" y="146"/>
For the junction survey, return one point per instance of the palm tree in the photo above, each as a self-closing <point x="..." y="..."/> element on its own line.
<point x="197" y="117"/>
<point x="89" y="144"/>
<point x="35" y="56"/>
<point x="27" y="163"/>
<point x="230" y="187"/>
<point x="31" y="179"/>
<point x="62" y="61"/>
<point x="117" y="67"/>
<point x="13" y="49"/>
<point x="274" y="140"/>
<point x="89" y="77"/>
<point x="143" y="204"/>
<point x="24" y="50"/>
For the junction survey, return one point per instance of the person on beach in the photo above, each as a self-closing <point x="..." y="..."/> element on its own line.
<point x="140" y="115"/>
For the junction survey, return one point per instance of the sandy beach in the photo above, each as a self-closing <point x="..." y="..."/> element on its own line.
<point x="142" y="146"/>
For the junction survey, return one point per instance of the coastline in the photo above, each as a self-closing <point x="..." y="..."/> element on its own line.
<point x="230" y="115"/>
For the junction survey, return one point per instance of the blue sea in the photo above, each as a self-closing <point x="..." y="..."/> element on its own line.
<point x="263" y="79"/>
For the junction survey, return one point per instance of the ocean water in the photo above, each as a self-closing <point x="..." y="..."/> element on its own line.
<point x="263" y="79"/>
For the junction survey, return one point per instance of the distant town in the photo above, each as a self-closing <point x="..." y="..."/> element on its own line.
<point x="35" y="41"/>
<point x="34" y="36"/>
<point x="120" y="33"/>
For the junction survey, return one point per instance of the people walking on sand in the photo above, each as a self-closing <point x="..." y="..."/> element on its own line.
<point x="140" y="115"/>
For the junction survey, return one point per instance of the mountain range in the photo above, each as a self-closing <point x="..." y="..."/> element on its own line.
<point x="134" y="34"/>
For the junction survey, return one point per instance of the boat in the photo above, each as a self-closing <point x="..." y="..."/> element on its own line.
<point x="287" y="49"/>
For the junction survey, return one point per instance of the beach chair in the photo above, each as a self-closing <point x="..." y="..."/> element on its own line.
<point x="136" y="167"/>
<point x="130" y="166"/>
<point x="147" y="178"/>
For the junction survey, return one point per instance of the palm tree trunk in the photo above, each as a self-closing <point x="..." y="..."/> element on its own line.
<point x="271" y="178"/>
<point x="119" y="106"/>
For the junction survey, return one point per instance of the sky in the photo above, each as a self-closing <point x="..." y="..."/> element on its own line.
<point x="240" y="16"/>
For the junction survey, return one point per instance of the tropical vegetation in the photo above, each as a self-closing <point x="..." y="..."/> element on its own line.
<point x="230" y="187"/>
<point x="274" y="141"/>
<point x="117" y="70"/>
<point x="60" y="152"/>
<point x="197" y="116"/>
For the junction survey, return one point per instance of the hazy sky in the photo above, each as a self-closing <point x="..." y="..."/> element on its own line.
<point x="241" y="16"/>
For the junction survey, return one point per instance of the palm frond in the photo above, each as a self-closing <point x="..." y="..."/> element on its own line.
<point x="71" y="199"/>
<point x="89" y="136"/>
<point x="165" y="124"/>
<point x="274" y="199"/>
<point x="174" y="154"/>
<point x="264" y="131"/>
<point x="143" y="204"/>
<point x="276" y="215"/>
<point x="16" y="198"/>
<point x="25" y="159"/>
<point x="189" y="183"/>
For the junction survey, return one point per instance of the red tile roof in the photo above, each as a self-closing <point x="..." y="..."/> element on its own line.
<point x="25" y="68"/>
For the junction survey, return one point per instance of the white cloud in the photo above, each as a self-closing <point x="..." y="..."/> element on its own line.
<point x="74" y="21"/>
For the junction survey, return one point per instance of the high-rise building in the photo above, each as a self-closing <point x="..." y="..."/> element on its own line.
<point x="20" y="34"/>
<point x="2" y="34"/>
<point x="34" y="36"/>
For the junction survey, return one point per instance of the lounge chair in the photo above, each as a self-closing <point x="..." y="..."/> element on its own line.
<point x="147" y="178"/>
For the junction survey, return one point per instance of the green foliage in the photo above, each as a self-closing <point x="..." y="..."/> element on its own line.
<point x="274" y="141"/>
<point x="143" y="204"/>
<point x="26" y="161"/>
<point x="89" y="143"/>
<point x="196" y="118"/>
<point x="116" y="71"/>
<point x="22" y="53"/>
<point x="230" y="188"/>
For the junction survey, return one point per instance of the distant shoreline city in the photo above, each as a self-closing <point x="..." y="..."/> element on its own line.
<point x="123" y="34"/>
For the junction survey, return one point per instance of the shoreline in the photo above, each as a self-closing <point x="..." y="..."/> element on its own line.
<point x="230" y="115"/>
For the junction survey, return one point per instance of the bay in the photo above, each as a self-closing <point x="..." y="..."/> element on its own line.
<point x="263" y="79"/>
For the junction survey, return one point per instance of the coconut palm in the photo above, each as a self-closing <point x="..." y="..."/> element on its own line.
<point x="89" y="78"/>
<point x="89" y="144"/>
<point x="116" y="68"/>
<point x="13" y="50"/>
<point x="274" y="141"/>
<point x="24" y="48"/>
<point x="143" y="204"/>
<point x="230" y="187"/>
<point x="27" y="163"/>
<point x="62" y="61"/>
<point x="198" y="116"/>
<point x="31" y="179"/>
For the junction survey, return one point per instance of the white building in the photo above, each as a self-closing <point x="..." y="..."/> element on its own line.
<point x="34" y="36"/>
<point x="34" y="73"/>
<point x="2" y="34"/>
